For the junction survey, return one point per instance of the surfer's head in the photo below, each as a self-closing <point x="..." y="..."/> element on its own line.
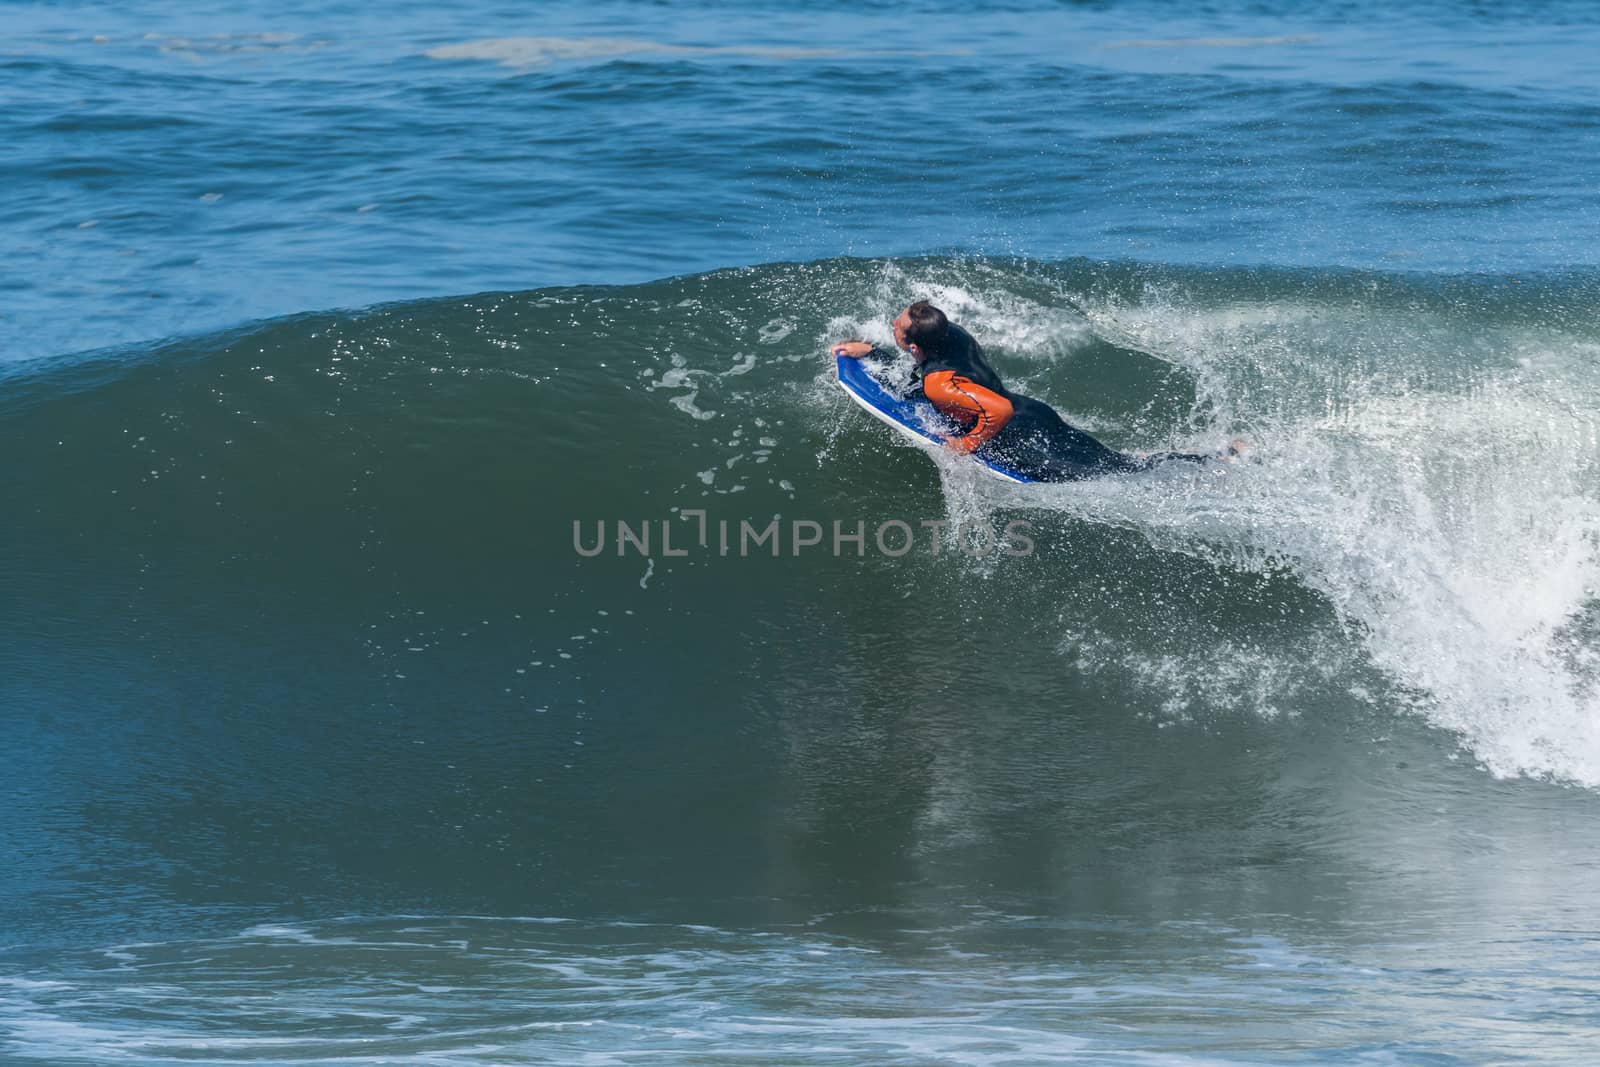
<point x="921" y="330"/>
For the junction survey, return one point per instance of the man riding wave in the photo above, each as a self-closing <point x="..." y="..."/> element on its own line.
<point x="1027" y="435"/>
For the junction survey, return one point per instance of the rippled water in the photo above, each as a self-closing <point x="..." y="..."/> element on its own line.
<point x="174" y="170"/>
<point x="472" y="990"/>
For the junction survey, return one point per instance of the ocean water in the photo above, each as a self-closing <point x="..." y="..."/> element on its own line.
<point x="389" y="400"/>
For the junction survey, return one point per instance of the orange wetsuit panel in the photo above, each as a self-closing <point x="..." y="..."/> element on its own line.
<point x="964" y="399"/>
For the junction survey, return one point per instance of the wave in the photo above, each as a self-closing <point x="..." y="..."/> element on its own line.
<point x="1418" y="533"/>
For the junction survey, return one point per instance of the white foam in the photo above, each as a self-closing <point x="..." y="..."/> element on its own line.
<point x="682" y="376"/>
<point x="979" y="299"/>
<point x="1447" y="511"/>
<point x="1436" y="479"/>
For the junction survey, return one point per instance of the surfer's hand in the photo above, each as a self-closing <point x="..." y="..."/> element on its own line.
<point x="852" y="349"/>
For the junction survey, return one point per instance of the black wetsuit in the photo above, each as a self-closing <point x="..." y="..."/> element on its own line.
<point x="1035" y="442"/>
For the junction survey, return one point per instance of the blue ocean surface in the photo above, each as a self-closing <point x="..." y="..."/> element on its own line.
<point x="450" y="615"/>
<point x="175" y="169"/>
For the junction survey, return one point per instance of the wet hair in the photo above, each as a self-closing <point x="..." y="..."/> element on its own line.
<point x="928" y="328"/>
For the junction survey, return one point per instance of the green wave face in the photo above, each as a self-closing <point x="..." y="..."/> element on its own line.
<point x="345" y="545"/>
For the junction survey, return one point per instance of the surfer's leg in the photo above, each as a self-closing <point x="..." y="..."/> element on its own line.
<point x="1147" y="460"/>
<point x="1038" y="442"/>
<point x="1144" y="461"/>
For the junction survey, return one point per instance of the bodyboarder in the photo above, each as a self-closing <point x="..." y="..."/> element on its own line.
<point x="1025" y="434"/>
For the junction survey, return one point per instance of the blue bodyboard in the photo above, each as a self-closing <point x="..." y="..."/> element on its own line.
<point x="915" y="417"/>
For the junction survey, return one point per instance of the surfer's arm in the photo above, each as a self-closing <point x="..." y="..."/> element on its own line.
<point x="852" y="349"/>
<point x="966" y="400"/>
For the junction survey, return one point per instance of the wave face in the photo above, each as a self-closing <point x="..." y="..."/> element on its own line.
<point x="1423" y="503"/>
<point x="303" y="633"/>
